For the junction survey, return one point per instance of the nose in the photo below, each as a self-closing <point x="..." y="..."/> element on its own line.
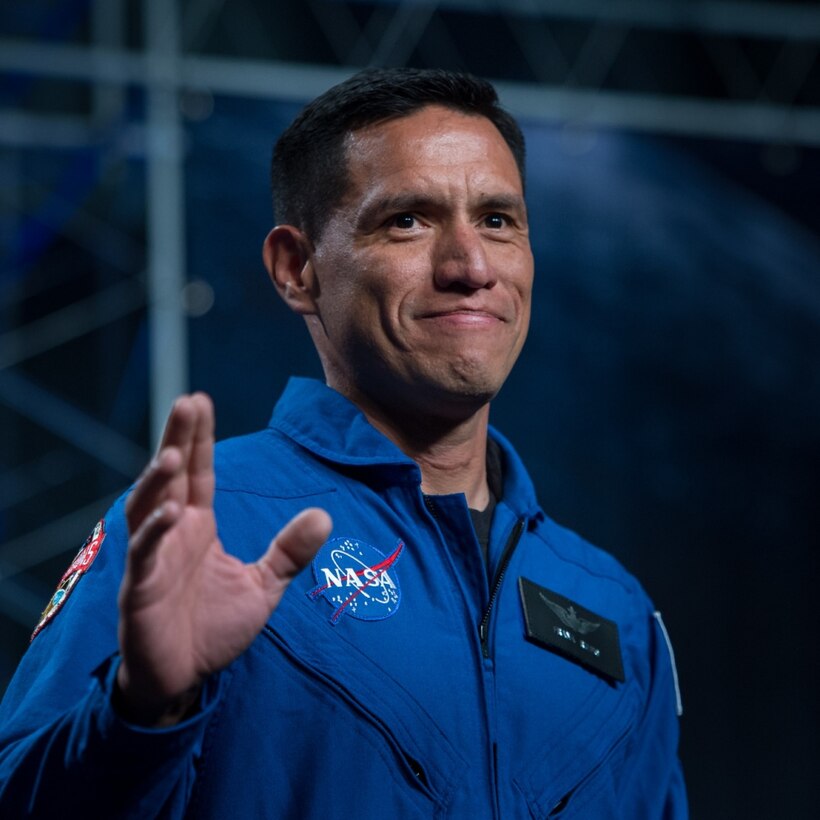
<point x="461" y="259"/>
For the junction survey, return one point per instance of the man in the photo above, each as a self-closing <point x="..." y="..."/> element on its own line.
<point x="447" y="651"/>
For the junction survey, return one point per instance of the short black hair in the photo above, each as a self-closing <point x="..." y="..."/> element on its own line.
<point x="309" y="170"/>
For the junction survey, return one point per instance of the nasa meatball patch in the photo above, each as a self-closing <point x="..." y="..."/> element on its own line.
<point x="79" y="566"/>
<point x="357" y="579"/>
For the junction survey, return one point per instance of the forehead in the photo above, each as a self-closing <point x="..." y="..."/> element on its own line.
<point x="431" y="145"/>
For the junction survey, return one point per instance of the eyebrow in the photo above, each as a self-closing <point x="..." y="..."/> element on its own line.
<point x="399" y="202"/>
<point x="503" y="202"/>
<point x="413" y="201"/>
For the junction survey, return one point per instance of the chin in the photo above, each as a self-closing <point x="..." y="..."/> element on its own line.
<point x="432" y="388"/>
<point x="463" y="393"/>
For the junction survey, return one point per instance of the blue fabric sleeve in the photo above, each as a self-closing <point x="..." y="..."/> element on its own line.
<point x="90" y="762"/>
<point x="63" y="749"/>
<point x="656" y="786"/>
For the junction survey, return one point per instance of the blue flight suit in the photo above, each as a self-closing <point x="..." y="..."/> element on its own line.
<point x="395" y="680"/>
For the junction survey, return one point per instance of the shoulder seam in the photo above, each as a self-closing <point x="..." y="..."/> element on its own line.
<point x="631" y="588"/>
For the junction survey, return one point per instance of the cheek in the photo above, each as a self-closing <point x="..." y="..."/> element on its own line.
<point x="340" y="285"/>
<point x="526" y="294"/>
<point x="517" y="280"/>
<point x="524" y="281"/>
<point x="389" y="282"/>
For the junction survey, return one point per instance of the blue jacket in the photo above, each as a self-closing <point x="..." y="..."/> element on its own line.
<point x="395" y="680"/>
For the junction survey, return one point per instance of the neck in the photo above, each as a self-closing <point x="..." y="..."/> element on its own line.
<point x="455" y="462"/>
<point x="451" y="453"/>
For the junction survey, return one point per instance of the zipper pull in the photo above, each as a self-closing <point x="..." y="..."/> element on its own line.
<point x="485" y="644"/>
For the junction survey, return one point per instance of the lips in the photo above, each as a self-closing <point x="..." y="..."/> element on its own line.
<point x="467" y="314"/>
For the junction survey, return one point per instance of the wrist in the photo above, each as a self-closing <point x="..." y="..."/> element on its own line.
<point x="154" y="714"/>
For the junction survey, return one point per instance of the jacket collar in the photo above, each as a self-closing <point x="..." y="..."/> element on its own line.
<point x="327" y="424"/>
<point x="331" y="426"/>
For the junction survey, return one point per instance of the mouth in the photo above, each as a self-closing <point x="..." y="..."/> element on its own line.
<point x="460" y="319"/>
<point x="464" y="314"/>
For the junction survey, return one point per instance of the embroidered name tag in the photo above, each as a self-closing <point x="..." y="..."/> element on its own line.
<point x="579" y="634"/>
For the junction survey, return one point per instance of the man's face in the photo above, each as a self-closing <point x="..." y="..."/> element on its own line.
<point x="424" y="271"/>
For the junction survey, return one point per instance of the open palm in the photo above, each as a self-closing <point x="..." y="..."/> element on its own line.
<point x="187" y="608"/>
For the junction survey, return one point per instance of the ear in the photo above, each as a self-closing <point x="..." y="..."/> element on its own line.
<point x="288" y="259"/>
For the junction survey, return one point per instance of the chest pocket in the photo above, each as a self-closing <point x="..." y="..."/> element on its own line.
<point x="369" y="720"/>
<point x="579" y="762"/>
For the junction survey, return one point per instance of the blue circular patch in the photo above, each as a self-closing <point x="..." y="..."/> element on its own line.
<point x="357" y="579"/>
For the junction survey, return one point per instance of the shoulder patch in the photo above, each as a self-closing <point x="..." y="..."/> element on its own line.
<point x="82" y="561"/>
<point x="678" y="699"/>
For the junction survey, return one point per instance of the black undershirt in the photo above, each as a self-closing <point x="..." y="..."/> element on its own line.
<point x="483" y="519"/>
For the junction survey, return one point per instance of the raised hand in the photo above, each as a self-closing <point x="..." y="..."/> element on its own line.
<point x="187" y="608"/>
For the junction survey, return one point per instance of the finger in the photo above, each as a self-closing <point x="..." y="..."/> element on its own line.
<point x="295" y="545"/>
<point x="201" y="454"/>
<point x="180" y="432"/>
<point x="164" y="477"/>
<point x="152" y="487"/>
<point x="181" y="422"/>
<point x="143" y="544"/>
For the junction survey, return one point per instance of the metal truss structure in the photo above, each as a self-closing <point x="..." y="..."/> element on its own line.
<point x="90" y="85"/>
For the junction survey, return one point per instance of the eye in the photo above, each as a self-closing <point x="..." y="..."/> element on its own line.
<point x="496" y="221"/>
<point x="403" y="221"/>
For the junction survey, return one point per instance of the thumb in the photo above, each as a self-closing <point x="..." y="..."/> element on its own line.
<point x="297" y="542"/>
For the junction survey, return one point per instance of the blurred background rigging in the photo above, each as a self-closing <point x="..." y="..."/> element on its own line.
<point x="667" y="401"/>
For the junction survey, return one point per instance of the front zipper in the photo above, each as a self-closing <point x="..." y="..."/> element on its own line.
<point x="483" y="629"/>
<point x="431" y="507"/>
<point x="509" y="549"/>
